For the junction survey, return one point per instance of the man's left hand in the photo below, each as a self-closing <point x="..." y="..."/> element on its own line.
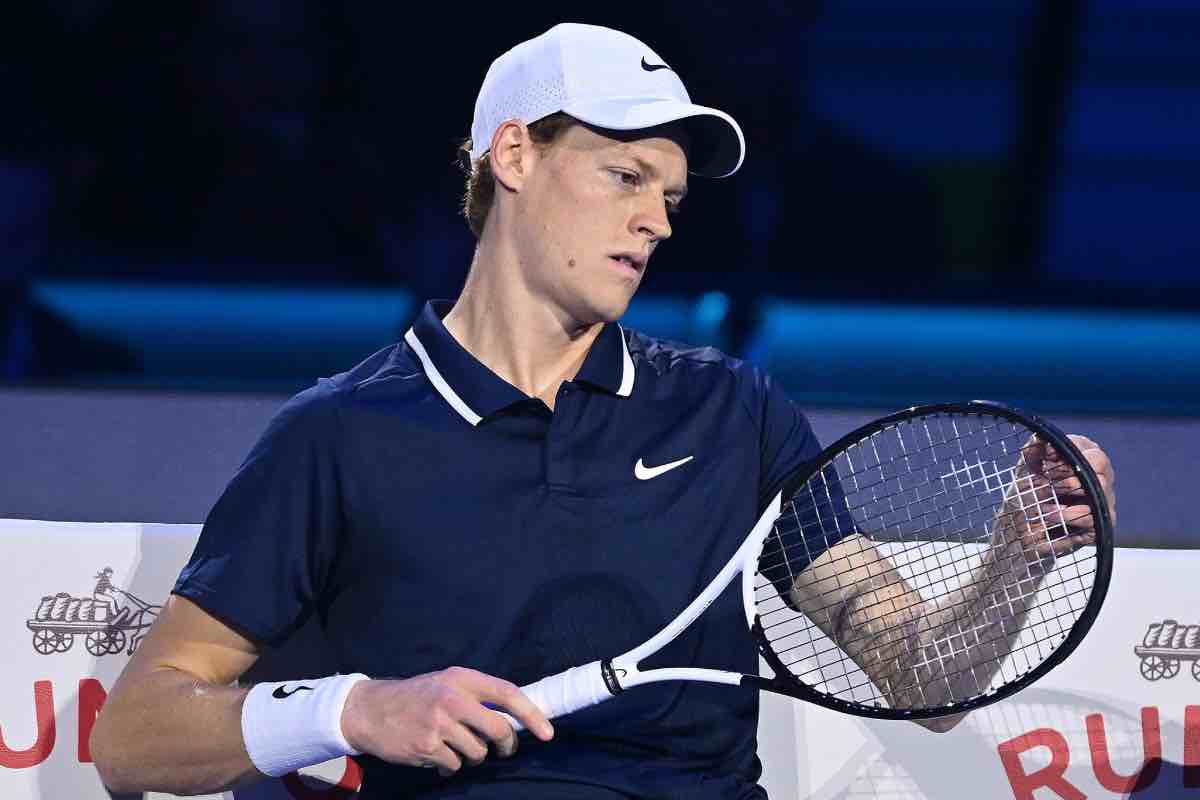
<point x="1063" y="523"/>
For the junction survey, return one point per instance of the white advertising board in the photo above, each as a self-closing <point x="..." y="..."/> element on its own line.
<point x="1106" y="723"/>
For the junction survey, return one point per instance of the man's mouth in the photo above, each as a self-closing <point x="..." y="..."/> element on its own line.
<point x="629" y="261"/>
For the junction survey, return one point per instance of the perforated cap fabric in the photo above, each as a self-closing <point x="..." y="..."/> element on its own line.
<point x="607" y="79"/>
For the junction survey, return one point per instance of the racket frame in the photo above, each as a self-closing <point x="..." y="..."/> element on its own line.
<point x="785" y="683"/>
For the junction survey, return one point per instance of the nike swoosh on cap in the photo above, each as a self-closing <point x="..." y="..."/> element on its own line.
<point x="652" y="67"/>
<point x="644" y="473"/>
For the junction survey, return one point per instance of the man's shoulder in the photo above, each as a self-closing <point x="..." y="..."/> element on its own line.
<point x="383" y="368"/>
<point x="383" y="373"/>
<point x="668" y="358"/>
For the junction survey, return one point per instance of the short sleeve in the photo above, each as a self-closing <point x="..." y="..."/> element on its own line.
<point x="268" y="544"/>
<point x="787" y="444"/>
<point x="786" y="440"/>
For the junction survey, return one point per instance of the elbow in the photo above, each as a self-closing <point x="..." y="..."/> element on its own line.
<point x="106" y="750"/>
<point x="100" y="745"/>
<point x="125" y="771"/>
<point x="942" y="724"/>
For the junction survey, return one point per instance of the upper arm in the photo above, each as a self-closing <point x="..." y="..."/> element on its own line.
<point x="187" y="638"/>
<point x="853" y="594"/>
<point x="823" y="588"/>
<point x="270" y="543"/>
<point x="786" y="440"/>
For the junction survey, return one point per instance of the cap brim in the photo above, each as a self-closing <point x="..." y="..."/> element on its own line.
<point x="717" y="146"/>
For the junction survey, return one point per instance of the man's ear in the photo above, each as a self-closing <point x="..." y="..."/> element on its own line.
<point x="511" y="154"/>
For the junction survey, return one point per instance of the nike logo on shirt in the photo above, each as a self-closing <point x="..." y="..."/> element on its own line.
<point x="644" y="473"/>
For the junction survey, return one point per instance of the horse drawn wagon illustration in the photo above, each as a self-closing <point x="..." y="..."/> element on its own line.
<point x="1165" y="646"/>
<point x="106" y="624"/>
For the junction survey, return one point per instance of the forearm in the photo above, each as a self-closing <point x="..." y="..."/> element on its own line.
<point x="928" y="650"/>
<point x="971" y="631"/>
<point x="174" y="734"/>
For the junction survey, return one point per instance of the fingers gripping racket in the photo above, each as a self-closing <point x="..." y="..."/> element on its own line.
<point x="931" y="562"/>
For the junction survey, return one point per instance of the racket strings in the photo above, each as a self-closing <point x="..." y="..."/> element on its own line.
<point x="777" y="553"/>
<point x="866" y="519"/>
<point x="946" y="498"/>
<point x="797" y="654"/>
<point x="848" y="472"/>
<point x="781" y="555"/>
<point x="919" y="685"/>
<point x="881" y="646"/>
<point x="1037" y="492"/>
<point x="871" y="459"/>
<point x="787" y="614"/>
<point x="865" y="650"/>
<point x="932" y="575"/>
<point x="834" y="648"/>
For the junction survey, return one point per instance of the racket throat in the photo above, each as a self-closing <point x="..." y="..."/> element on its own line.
<point x="609" y="673"/>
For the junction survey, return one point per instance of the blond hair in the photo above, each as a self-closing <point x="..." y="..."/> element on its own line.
<point x="480" y="190"/>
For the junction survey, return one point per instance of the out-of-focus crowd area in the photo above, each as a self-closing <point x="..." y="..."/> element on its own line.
<point x="1004" y="155"/>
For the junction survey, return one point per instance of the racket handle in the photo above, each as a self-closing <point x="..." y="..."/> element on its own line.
<point x="570" y="690"/>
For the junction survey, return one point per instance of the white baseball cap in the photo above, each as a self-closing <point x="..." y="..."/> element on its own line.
<point x="607" y="79"/>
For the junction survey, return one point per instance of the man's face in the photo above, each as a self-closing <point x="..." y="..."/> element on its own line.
<point x="592" y="212"/>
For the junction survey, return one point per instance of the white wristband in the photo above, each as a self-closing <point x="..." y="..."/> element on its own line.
<point x="296" y="724"/>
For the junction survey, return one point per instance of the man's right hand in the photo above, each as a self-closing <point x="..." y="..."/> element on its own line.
<point x="438" y="719"/>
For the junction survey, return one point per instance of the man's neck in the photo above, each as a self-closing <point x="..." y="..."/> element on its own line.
<point x="527" y="341"/>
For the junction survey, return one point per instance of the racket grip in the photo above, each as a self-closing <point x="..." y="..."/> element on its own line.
<point x="570" y="690"/>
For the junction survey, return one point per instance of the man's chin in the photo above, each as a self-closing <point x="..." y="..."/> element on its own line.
<point x="598" y="303"/>
<point x="613" y="310"/>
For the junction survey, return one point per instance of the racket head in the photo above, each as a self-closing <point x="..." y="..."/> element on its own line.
<point x="925" y="485"/>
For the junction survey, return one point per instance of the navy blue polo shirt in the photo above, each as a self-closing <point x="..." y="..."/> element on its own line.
<point x="432" y="515"/>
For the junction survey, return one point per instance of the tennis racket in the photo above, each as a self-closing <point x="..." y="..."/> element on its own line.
<point x="931" y="562"/>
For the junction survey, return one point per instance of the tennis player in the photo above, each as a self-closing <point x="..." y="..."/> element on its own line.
<point x="519" y="486"/>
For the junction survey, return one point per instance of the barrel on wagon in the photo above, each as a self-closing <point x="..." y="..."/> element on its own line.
<point x="60" y="617"/>
<point x="1165" y="646"/>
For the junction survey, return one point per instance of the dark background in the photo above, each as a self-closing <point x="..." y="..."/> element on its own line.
<point x="991" y="154"/>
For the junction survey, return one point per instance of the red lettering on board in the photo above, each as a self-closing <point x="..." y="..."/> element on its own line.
<point x="1191" y="747"/>
<point x="43" y="703"/>
<point x="91" y="700"/>
<point x="1050" y="776"/>
<point x="1151" y="764"/>
<point x="347" y="787"/>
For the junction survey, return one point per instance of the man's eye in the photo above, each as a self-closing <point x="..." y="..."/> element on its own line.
<point x="627" y="178"/>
